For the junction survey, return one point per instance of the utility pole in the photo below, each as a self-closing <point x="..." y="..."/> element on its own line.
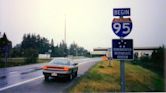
<point x="65" y="30"/>
<point x="66" y="52"/>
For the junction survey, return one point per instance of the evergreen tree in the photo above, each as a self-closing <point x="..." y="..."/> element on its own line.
<point x="63" y="49"/>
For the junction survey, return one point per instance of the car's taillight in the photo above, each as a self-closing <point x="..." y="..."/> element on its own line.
<point x="45" y="67"/>
<point x="66" y="69"/>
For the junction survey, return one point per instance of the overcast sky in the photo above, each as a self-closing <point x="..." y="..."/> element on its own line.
<point x="88" y="22"/>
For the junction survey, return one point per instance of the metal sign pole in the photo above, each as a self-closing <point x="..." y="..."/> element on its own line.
<point x="122" y="75"/>
<point x="5" y="59"/>
<point x="122" y="72"/>
<point x="6" y="55"/>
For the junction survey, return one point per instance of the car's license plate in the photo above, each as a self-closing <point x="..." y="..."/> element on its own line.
<point x="54" y="74"/>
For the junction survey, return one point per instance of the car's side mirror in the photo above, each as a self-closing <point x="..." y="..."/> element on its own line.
<point x="75" y="64"/>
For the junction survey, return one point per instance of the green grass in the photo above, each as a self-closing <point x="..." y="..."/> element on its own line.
<point x="105" y="78"/>
<point x="20" y="61"/>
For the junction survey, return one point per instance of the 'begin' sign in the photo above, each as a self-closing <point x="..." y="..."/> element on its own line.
<point x="121" y="11"/>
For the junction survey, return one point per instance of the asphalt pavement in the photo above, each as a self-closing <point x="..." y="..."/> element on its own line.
<point x="29" y="79"/>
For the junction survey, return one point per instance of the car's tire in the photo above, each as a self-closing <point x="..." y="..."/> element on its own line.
<point x="70" y="77"/>
<point x="46" y="77"/>
<point x="75" y="74"/>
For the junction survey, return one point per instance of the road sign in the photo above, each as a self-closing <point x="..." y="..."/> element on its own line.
<point x="122" y="49"/>
<point x="121" y="12"/>
<point x="122" y="26"/>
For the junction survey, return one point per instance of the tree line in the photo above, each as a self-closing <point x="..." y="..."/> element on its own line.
<point x="35" y="44"/>
<point x="154" y="62"/>
<point x="5" y="45"/>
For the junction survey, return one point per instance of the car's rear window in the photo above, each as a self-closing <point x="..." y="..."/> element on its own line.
<point x="60" y="62"/>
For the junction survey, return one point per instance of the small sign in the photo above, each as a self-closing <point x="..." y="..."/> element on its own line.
<point x="122" y="49"/>
<point x="121" y="12"/>
<point x="122" y="26"/>
<point x="104" y="58"/>
<point x="54" y="74"/>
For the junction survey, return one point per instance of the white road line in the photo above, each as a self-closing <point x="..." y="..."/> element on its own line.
<point x="20" y="83"/>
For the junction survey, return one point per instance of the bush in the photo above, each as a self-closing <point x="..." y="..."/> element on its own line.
<point x="157" y="59"/>
<point x="155" y="62"/>
<point x="31" y="55"/>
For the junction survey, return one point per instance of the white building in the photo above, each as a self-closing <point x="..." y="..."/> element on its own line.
<point x="101" y="52"/>
<point x="44" y="56"/>
<point x="142" y="51"/>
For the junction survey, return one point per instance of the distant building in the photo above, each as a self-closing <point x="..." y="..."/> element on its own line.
<point x="44" y="56"/>
<point x="141" y="51"/>
<point x="101" y="52"/>
<point x="144" y="51"/>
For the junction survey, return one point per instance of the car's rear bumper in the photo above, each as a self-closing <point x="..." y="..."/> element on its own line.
<point x="56" y="73"/>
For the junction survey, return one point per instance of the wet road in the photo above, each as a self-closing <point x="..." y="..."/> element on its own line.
<point x="29" y="79"/>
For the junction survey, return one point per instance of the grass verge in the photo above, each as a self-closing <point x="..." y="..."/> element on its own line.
<point x="20" y="61"/>
<point x="105" y="78"/>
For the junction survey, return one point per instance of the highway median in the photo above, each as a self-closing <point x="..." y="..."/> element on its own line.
<point x="12" y="62"/>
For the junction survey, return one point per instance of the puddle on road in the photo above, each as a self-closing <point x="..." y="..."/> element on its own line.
<point x="10" y="78"/>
